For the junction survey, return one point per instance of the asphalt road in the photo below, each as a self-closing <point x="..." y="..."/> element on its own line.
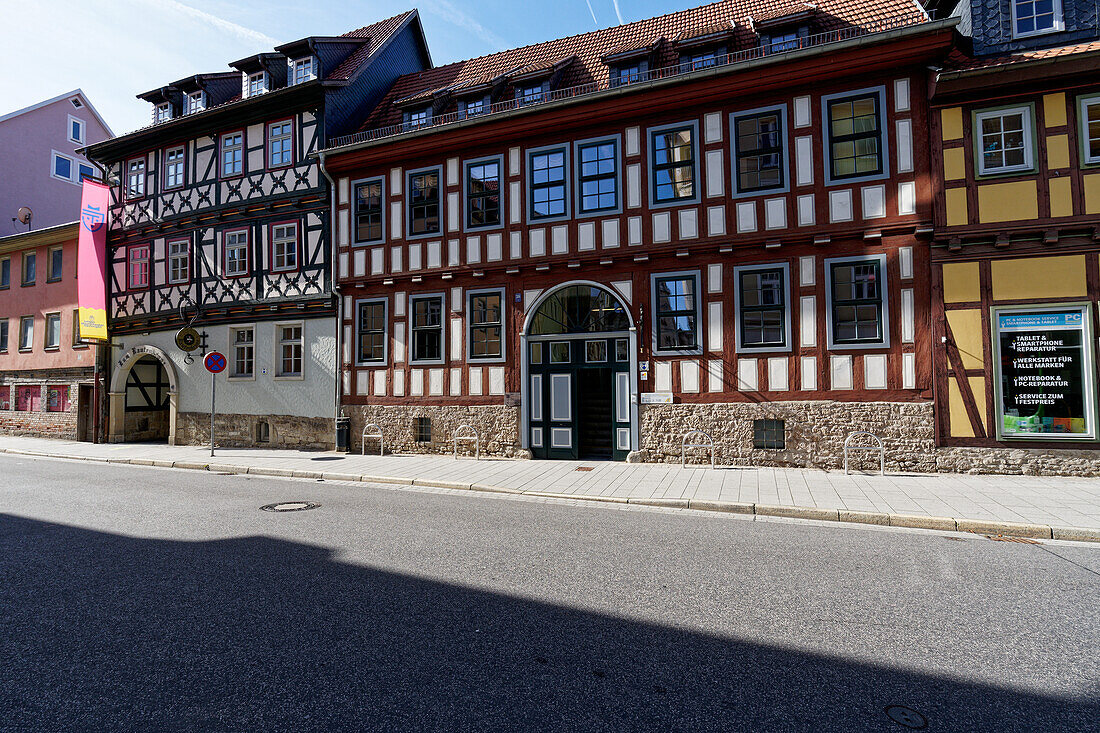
<point x="162" y="600"/>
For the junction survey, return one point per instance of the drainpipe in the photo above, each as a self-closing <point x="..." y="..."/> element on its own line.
<point x="338" y="393"/>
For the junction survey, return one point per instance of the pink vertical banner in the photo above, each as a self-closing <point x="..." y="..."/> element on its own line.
<point x="91" y="261"/>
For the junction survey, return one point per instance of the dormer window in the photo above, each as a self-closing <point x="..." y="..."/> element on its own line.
<point x="532" y="93"/>
<point x="475" y="106"/>
<point x="162" y="112"/>
<point x="628" y="74"/>
<point x="781" y="42"/>
<point x="302" y="70"/>
<point x="257" y="83"/>
<point x="1032" y="17"/>
<point x="196" y="102"/>
<point x="418" y="118"/>
<point x="700" y="59"/>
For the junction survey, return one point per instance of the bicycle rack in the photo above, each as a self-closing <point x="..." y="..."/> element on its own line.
<point x="475" y="438"/>
<point x="684" y="445"/>
<point x="849" y="446"/>
<point x="376" y="434"/>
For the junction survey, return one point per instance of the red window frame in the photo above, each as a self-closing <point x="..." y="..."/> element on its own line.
<point x="244" y="154"/>
<point x="145" y="178"/>
<point x="168" y="261"/>
<point x="267" y="144"/>
<point x="130" y="264"/>
<point x="164" y="167"/>
<point x="297" y="244"/>
<point x="247" y="249"/>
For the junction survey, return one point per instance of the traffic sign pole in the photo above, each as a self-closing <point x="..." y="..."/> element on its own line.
<point x="215" y="363"/>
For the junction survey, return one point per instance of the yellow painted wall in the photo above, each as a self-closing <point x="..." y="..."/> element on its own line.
<point x="1057" y="151"/>
<point x="960" y="421"/>
<point x="1007" y="201"/>
<point x="956" y="207"/>
<point x="951" y="119"/>
<point x="961" y="282"/>
<point x="954" y="164"/>
<point x="1039" y="277"/>
<point x="1061" y="197"/>
<point x="1092" y="193"/>
<point x="966" y="327"/>
<point x="1054" y="109"/>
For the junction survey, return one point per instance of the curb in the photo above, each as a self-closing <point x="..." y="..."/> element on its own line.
<point x="917" y="521"/>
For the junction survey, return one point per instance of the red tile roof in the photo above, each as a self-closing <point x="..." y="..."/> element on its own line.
<point x="378" y="33"/>
<point x="959" y="61"/>
<point x="590" y="47"/>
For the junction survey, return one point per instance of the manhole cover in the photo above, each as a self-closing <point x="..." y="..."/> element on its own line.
<point x="290" y="506"/>
<point x="907" y="717"/>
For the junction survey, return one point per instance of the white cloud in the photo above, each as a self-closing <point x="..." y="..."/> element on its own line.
<point x="618" y="13"/>
<point x="590" y="10"/>
<point x="219" y="23"/>
<point x="448" y="12"/>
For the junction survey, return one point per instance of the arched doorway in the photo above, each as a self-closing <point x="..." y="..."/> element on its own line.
<point x="143" y="397"/>
<point x="579" y="357"/>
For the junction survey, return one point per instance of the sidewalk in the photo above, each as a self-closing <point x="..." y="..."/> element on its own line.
<point x="1029" y="506"/>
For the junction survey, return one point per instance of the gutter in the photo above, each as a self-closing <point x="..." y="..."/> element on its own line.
<point x="338" y="392"/>
<point x="38" y="237"/>
<point x="741" y="66"/>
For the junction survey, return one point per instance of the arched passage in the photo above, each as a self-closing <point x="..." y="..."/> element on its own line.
<point x="143" y="397"/>
<point x="579" y="374"/>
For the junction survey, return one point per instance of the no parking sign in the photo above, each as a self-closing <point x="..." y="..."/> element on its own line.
<point x="215" y="364"/>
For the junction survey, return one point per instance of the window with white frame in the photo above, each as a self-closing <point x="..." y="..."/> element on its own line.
<point x="476" y="106"/>
<point x="76" y="130"/>
<point x="427" y="328"/>
<point x="3" y="335"/>
<point x="5" y="273"/>
<point x="371" y="332"/>
<point x="53" y="331"/>
<point x="1032" y="17"/>
<point x="1003" y="137"/>
<point x="856" y="144"/>
<point x="700" y="59"/>
<point x="302" y="70"/>
<point x="173" y="167"/>
<point x="179" y="261"/>
<point x="55" y="262"/>
<point x="368" y="210"/>
<point x="62" y="167"/>
<point x="257" y="83"/>
<point x="243" y="343"/>
<point x="162" y="112"/>
<point x="284" y="247"/>
<point x="672" y="164"/>
<point x="280" y="143"/>
<point x="232" y="154"/>
<point x="135" y="178"/>
<point x="235" y="246"/>
<point x="857" y="301"/>
<point x="418" y="118"/>
<point x="486" y="324"/>
<point x="531" y="93"/>
<point x="196" y="102"/>
<point x="137" y="266"/>
<point x="30" y="269"/>
<point x="676" y="312"/>
<point x="483" y="193"/>
<point x="758" y="150"/>
<point x="85" y="171"/>
<point x="290" y="349"/>
<point x="547" y="185"/>
<point x="597" y="176"/>
<point x="627" y="74"/>
<point x="1090" y="129"/>
<point x="424" y="202"/>
<point x="762" y="308"/>
<point x="26" y="333"/>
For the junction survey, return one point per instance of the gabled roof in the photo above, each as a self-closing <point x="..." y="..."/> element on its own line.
<point x="68" y="95"/>
<point x="959" y="61"/>
<point x="593" y="48"/>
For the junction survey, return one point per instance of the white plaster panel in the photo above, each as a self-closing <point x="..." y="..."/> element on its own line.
<point x="808" y="369"/>
<point x="342" y="226"/>
<point x="493" y="245"/>
<point x="634" y="230"/>
<point x="716" y="221"/>
<point x="455" y="382"/>
<point x="712" y="127"/>
<point x="536" y="240"/>
<point x="633" y="186"/>
<point x="473" y="250"/>
<point x="714" y="375"/>
<point x="610" y="233"/>
<point x="748" y="378"/>
<point x="396" y="259"/>
<point x="396" y="181"/>
<point x="804" y="160"/>
<point x="475" y="381"/>
<point x="379" y="382"/>
<point x="456" y="339"/>
<point x="714" y="278"/>
<point x="840" y="372"/>
<point x="689" y="376"/>
<point x="662" y="376"/>
<point x="874" y="371"/>
<point x="806" y="210"/>
<point x="416" y="382"/>
<point x="746" y="216"/>
<point x="840" y="205"/>
<point x="905" y="262"/>
<point x="908" y="320"/>
<point x="775" y="213"/>
<point x="496" y="380"/>
<point x="435" y="382"/>
<point x="414" y="256"/>
<point x="343" y="264"/>
<point x="399" y="342"/>
<point x="452" y="253"/>
<point x="529" y="298"/>
<point x="452" y="171"/>
<point x="908" y="371"/>
<point x="396" y="219"/>
<point x="399" y="383"/>
<point x="714" y="326"/>
<point x="586" y="236"/>
<point x="801" y="111"/>
<point x="905" y="146"/>
<point x="359" y="263"/>
<point x="513" y="161"/>
<point x="874" y="201"/>
<point x="716" y="173"/>
<point x="514" y="203"/>
<point x="625" y="288"/>
<point x="662" y="227"/>
<point x="632" y="135"/>
<point x="689" y="223"/>
<point x="907" y="198"/>
<point x="901" y="95"/>
<point x="561" y="239"/>
<point x="807" y="320"/>
<point x="806" y="270"/>
<point x="778" y="376"/>
<point x="515" y="245"/>
<point x="452" y="211"/>
<point x="399" y="304"/>
<point x="344" y="187"/>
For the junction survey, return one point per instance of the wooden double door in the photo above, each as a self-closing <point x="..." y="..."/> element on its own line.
<point x="579" y="398"/>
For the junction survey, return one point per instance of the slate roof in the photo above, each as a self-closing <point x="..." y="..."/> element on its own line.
<point x="590" y="47"/>
<point x="377" y="33"/>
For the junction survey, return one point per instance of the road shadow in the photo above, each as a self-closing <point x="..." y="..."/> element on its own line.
<point x="106" y="632"/>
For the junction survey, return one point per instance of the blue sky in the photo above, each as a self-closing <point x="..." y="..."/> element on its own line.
<point x="114" y="49"/>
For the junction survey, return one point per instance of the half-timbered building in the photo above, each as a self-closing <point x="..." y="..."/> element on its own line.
<point x="1016" y="257"/>
<point x="220" y="221"/>
<point x="715" y="220"/>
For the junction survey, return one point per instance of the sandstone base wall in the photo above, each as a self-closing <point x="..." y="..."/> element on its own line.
<point x="243" y="431"/>
<point x="497" y="426"/>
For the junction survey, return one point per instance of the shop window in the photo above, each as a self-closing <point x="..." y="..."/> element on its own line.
<point x="371" y="330"/>
<point x="369" y="211"/>
<point x="1004" y="141"/>
<point x="57" y="399"/>
<point x="547" y="184"/>
<point x="483" y="193"/>
<point x="768" y="435"/>
<point x="28" y="398"/>
<point x="423" y="427"/>
<point x="759" y="139"/>
<point x="672" y="164"/>
<point x="423" y="206"/>
<point x="676" y="313"/>
<point x="855" y="136"/>
<point x="598" y="176"/>
<point x="427" y="328"/>
<point x="857" y="304"/>
<point x="762" y="308"/>
<point x="5" y="398"/>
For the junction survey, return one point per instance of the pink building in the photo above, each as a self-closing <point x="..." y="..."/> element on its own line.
<point x="42" y="170"/>
<point x="47" y="376"/>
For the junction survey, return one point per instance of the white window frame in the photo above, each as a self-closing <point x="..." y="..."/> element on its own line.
<point x="168" y="165"/>
<point x="470" y="294"/>
<point x="276" y="240"/>
<point x="1082" y="112"/>
<point x="54" y="156"/>
<point x="248" y="80"/>
<point x="301" y="63"/>
<point x="385" y="360"/>
<point x="196" y="102"/>
<point x="440" y="197"/>
<point x="162" y="112"/>
<point x="443" y="316"/>
<point x="785" y="159"/>
<point x="279" y="342"/>
<point x="529" y="201"/>
<point x="1059" y="22"/>
<point x="883" y="136"/>
<point x="696" y="165"/>
<point x="46" y="345"/>
<point x="381" y="180"/>
<point x="26" y="333"/>
<point x="884" y="294"/>
<point x="83" y="130"/>
<point x="578" y="172"/>
<point x="787" y="345"/>
<point x="501" y="184"/>
<point x="129" y="193"/>
<point x="173" y="257"/>
<point x="1029" y="140"/>
<point x="225" y="254"/>
<point x="232" y="349"/>
<point x="695" y="275"/>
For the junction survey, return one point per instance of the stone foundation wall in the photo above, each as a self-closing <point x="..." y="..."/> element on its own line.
<point x="1030" y="461"/>
<point x="497" y="426"/>
<point x="146" y="425"/>
<point x="41" y="423"/>
<point x="242" y="431"/>
<point x="815" y="433"/>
